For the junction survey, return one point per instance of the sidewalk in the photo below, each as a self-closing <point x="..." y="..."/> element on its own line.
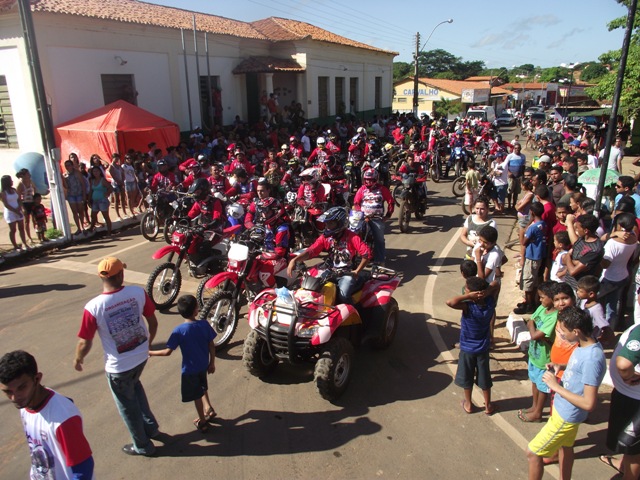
<point x="10" y="257"/>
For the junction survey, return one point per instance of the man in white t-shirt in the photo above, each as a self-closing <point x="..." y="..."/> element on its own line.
<point x="51" y="422"/>
<point x="615" y="157"/>
<point x="117" y="316"/>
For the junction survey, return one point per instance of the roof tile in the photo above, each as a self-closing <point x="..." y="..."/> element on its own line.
<point x="267" y="65"/>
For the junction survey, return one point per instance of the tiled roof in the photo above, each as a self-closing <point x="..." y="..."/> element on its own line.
<point x="525" y="85"/>
<point x="272" y="29"/>
<point x="282" y="29"/>
<point x="267" y="65"/>
<point x="479" y="78"/>
<point x="132" y="11"/>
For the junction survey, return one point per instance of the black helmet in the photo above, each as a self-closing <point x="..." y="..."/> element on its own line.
<point x="200" y="188"/>
<point x="335" y="214"/>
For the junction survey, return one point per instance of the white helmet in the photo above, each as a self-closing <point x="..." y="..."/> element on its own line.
<point x="320" y="141"/>
<point x="361" y="130"/>
<point x="235" y="210"/>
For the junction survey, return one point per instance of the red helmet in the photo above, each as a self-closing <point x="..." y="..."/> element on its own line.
<point x="269" y="210"/>
<point x="370" y="177"/>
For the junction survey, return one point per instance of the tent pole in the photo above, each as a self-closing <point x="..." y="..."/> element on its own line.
<point x="186" y="77"/>
<point x="209" y="101"/>
<point x="51" y="153"/>
<point x="195" y="48"/>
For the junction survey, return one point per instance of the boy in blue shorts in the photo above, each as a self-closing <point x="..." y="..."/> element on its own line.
<point x="542" y="329"/>
<point x="195" y="339"/>
<point x="475" y="333"/>
<point x="574" y="399"/>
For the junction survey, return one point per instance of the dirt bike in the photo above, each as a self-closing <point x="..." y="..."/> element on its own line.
<point x="459" y="186"/>
<point x="205" y="252"/>
<point x="306" y="326"/>
<point x="305" y="228"/>
<point x="434" y="164"/>
<point x="486" y="190"/>
<point x="231" y="287"/>
<point x="181" y="207"/>
<point x="159" y="208"/>
<point x="412" y="200"/>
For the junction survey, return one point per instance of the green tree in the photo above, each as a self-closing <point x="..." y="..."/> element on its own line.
<point x="605" y="89"/>
<point x="593" y="71"/>
<point x="468" y="69"/>
<point x="554" y="74"/>
<point x="436" y="61"/>
<point x="526" y="68"/>
<point x="402" y="70"/>
<point x="446" y="107"/>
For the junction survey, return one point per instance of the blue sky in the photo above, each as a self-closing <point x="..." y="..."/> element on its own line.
<point x="501" y="33"/>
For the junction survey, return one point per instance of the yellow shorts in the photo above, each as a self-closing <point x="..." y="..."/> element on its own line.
<point x="555" y="434"/>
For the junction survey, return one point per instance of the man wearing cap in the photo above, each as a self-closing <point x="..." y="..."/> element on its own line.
<point x="117" y="316"/>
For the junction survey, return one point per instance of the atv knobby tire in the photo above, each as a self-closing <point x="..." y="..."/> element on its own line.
<point x="256" y="357"/>
<point x="389" y="325"/>
<point x="333" y="370"/>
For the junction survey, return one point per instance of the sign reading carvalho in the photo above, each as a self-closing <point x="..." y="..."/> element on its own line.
<point x="422" y="92"/>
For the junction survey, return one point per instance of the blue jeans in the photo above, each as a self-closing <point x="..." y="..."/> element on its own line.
<point x="134" y="408"/>
<point x="377" y="231"/>
<point x="346" y="285"/>
<point x="610" y="298"/>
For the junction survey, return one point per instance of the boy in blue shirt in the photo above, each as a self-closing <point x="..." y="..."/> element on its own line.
<point x="475" y="335"/>
<point x="533" y="252"/>
<point x="195" y="339"/>
<point x="575" y="398"/>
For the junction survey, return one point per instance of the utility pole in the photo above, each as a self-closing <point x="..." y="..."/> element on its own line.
<point x="415" y="76"/>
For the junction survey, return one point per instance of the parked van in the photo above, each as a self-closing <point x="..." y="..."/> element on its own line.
<point x="485" y="112"/>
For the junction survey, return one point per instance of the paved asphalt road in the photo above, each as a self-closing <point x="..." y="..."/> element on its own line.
<point x="400" y="417"/>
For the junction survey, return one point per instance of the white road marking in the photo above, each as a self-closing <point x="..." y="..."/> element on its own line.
<point x="449" y="359"/>
<point x="118" y="252"/>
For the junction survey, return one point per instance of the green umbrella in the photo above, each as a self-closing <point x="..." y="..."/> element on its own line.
<point x="592" y="177"/>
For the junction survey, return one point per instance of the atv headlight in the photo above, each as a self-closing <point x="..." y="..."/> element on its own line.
<point x="263" y="319"/>
<point x="308" y="332"/>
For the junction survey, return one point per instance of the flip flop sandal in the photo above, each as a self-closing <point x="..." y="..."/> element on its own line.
<point x="608" y="460"/>
<point x="202" y="426"/>
<point x="468" y="412"/>
<point x="210" y="415"/>
<point x="523" y="418"/>
<point x="494" y="409"/>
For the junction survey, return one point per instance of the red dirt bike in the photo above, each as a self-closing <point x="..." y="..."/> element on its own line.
<point x="228" y="289"/>
<point x="306" y="326"/>
<point x="205" y="252"/>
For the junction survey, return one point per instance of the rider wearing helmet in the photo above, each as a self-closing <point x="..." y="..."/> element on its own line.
<point x="206" y="205"/>
<point x="295" y="147"/>
<point x="275" y="245"/>
<point x="343" y="247"/>
<point x="311" y="192"/>
<point x="164" y="179"/>
<point x="331" y="170"/>
<point x="240" y="161"/>
<point x="333" y="145"/>
<point x="319" y="152"/>
<point x="291" y="180"/>
<point x="193" y="170"/>
<point x="357" y="152"/>
<point x="370" y="199"/>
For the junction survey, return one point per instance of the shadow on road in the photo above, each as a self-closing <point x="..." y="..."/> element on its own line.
<point x="268" y="432"/>
<point x="37" y="289"/>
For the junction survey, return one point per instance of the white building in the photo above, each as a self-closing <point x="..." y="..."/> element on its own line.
<point x="93" y="52"/>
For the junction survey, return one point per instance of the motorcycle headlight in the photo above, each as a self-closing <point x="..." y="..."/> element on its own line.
<point x="175" y="204"/>
<point x="149" y="199"/>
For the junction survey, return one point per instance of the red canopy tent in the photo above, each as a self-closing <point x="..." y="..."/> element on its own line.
<point x="116" y="127"/>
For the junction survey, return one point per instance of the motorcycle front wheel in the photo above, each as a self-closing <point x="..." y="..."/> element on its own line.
<point x="169" y="228"/>
<point x="459" y="186"/>
<point x="222" y="314"/>
<point x="164" y="285"/>
<point x="404" y="215"/>
<point x="149" y="226"/>
<point x="203" y="294"/>
<point x="435" y="171"/>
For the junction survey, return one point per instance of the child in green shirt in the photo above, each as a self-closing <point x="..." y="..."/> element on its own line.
<point x="542" y="328"/>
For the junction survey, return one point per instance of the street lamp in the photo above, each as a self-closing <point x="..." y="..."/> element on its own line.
<point x="415" y="61"/>
<point x="567" y="96"/>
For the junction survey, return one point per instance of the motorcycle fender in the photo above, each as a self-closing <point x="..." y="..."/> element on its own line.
<point x="221" y="277"/>
<point x="344" y="315"/>
<point x="161" y="252"/>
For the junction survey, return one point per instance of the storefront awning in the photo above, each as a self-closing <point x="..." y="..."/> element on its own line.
<point x="267" y="65"/>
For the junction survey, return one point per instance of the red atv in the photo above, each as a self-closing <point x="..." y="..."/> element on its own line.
<point x="306" y="326"/>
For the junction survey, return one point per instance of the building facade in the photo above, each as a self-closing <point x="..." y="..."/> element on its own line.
<point x="94" y="52"/>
